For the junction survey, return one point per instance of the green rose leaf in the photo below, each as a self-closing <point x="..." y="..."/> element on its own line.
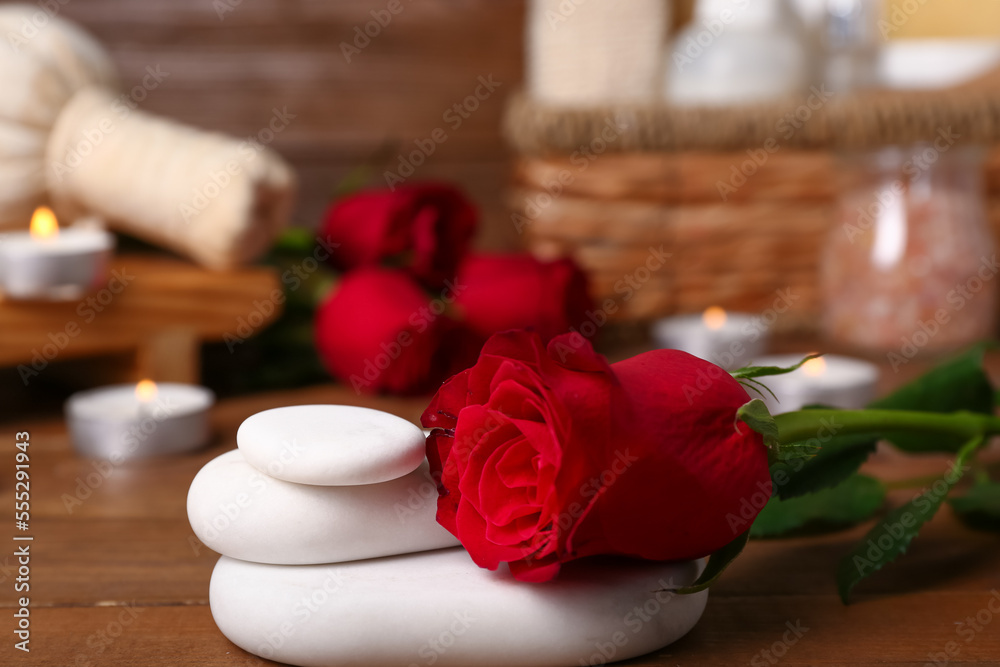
<point x="837" y="459"/>
<point x="717" y="564"/>
<point x="886" y="541"/>
<point x="956" y="385"/>
<point x="891" y="537"/>
<point x="297" y="241"/>
<point x="852" y="501"/>
<point x="980" y="507"/>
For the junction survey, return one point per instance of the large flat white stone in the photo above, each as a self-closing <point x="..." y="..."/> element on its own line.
<point x="331" y="445"/>
<point x="238" y="511"/>
<point x="439" y="608"/>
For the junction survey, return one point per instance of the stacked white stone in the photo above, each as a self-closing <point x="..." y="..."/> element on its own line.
<point x="323" y="516"/>
<point x="315" y="484"/>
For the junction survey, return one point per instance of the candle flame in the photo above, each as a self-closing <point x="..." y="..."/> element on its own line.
<point x="44" y="224"/>
<point x="714" y="318"/>
<point x="145" y="391"/>
<point x="814" y="367"/>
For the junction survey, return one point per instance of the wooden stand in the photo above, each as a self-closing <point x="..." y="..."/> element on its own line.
<point x="149" y="320"/>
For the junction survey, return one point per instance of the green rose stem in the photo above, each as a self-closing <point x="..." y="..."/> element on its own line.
<point x="896" y="531"/>
<point x="804" y="425"/>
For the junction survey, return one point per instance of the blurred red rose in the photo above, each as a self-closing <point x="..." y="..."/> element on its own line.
<point x="379" y="331"/>
<point x="502" y="292"/>
<point x="423" y="228"/>
<point x="545" y="455"/>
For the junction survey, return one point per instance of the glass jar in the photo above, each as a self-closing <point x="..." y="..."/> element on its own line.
<point x="909" y="267"/>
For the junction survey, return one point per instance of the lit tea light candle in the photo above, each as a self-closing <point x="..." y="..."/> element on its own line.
<point x="728" y="340"/>
<point x="47" y="262"/>
<point x="139" y="420"/>
<point x="837" y="382"/>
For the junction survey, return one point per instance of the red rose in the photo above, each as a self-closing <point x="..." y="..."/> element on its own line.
<point x="547" y="455"/>
<point x="377" y="331"/>
<point x="424" y="228"/>
<point x="502" y="292"/>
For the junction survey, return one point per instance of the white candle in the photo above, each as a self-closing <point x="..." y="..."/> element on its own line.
<point x="138" y="421"/>
<point x="837" y="382"/>
<point x="51" y="263"/>
<point x="729" y="340"/>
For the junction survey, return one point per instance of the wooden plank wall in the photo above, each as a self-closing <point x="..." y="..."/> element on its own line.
<point x="231" y="62"/>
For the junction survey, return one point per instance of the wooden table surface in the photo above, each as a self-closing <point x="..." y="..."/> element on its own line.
<point x="118" y="578"/>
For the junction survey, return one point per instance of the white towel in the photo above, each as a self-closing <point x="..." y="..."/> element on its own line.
<point x="588" y="52"/>
<point x="216" y="199"/>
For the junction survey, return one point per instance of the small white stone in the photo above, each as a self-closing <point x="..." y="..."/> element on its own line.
<point x="238" y="511"/>
<point x="439" y="608"/>
<point x="331" y="445"/>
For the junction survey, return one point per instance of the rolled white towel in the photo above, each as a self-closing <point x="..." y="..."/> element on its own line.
<point x="216" y="199"/>
<point x="66" y="138"/>
<point x="597" y="51"/>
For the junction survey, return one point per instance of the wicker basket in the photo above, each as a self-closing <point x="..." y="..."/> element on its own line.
<point x="606" y="186"/>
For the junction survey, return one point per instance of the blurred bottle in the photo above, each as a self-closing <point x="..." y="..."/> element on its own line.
<point x="851" y="45"/>
<point x="738" y="52"/>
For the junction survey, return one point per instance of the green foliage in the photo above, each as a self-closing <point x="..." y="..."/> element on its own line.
<point x="755" y="415"/>
<point x="717" y="564"/>
<point x="891" y="537"/>
<point x="886" y="541"/>
<point x="752" y="372"/>
<point x="980" y="507"/>
<point x="747" y="375"/>
<point x="959" y="384"/>
<point x="284" y="354"/>
<point x="852" y="501"/>
<point x="950" y="405"/>
<point x="838" y="458"/>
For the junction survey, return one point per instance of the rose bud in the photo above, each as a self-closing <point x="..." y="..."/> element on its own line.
<point x="379" y="331"/>
<point x="423" y="228"/>
<point x="518" y="291"/>
<point x="545" y="455"/>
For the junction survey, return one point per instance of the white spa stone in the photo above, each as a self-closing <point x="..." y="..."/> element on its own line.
<point x="331" y="445"/>
<point x="439" y="608"/>
<point x="239" y="511"/>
